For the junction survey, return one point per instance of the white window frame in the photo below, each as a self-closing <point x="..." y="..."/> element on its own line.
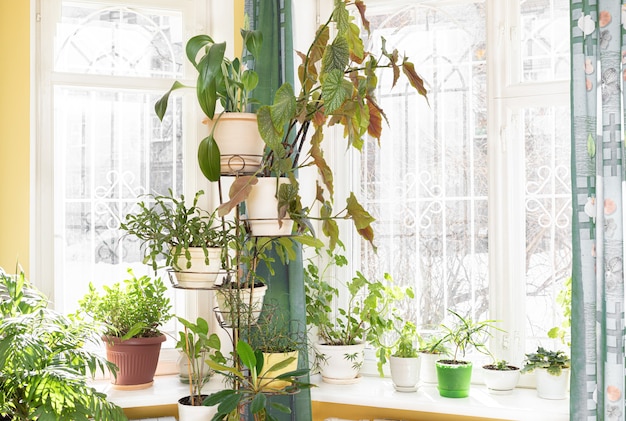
<point x="200" y="16"/>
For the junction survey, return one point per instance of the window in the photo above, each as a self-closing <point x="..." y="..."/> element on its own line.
<point x="472" y="192"/>
<point x="103" y="64"/>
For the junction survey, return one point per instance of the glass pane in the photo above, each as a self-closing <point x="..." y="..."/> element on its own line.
<point x="545" y="40"/>
<point x="118" y="41"/>
<point x="548" y="224"/>
<point x="427" y="182"/>
<point x="110" y="148"/>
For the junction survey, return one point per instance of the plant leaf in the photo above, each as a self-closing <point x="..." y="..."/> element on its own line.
<point x="414" y="79"/>
<point x="271" y="136"/>
<point x="253" y="41"/>
<point x="336" y="56"/>
<point x="375" y="126"/>
<point x="362" y="219"/>
<point x="239" y="191"/>
<point x="209" y="158"/>
<point x="361" y="8"/>
<point x="284" y="107"/>
<point x="318" y="159"/>
<point x="258" y="403"/>
<point x="335" y="90"/>
<point x="160" y="107"/>
<point x="194" y="45"/>
<point x="246" y="354"/>
<point x="355" y="43"/>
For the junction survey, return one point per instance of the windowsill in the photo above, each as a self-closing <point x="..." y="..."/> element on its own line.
<point x="522" y="404"/>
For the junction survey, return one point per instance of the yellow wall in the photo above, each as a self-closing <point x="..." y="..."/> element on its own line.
<point x="14" y="132"/>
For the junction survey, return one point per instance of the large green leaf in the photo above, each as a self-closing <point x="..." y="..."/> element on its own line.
<point x="209" y="73"/>
<point x="194" y="45"/>
<point x="336" y="55"/>
<point x="209" y="158"/>
<point x="335" y="90"/>
<point x="253" y="41"/>
<point x="271" y="136"/>
<point x="258" y="403"/>
<point x="284" y="107"/>
<point x="246" y="354"/>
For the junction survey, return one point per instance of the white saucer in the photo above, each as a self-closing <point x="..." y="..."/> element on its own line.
<point x="341" y="381"/>
<point x="405" y="388"/>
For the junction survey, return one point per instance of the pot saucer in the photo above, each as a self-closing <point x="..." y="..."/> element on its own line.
<point x="405" y="389"/>
<point x="341" y="381"/>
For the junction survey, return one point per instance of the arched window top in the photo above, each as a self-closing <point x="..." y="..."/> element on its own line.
<point x="119" y="41"/>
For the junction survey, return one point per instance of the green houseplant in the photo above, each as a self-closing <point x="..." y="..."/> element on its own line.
<point x="552" y="372"/>
<point x="454" y="375"/>
<point x="338" y="79"/>
<point x="369" y="315"/>
<point x="197" y="345"/>
<point x="404" y="360"/>
<point x="252" y="392"/>
<point x="44" y="365"/>
<point x="131" y="313"/>
<point x="500" y="376"/>
<point x="229" y="83"/>
<point x="187" y="238"/>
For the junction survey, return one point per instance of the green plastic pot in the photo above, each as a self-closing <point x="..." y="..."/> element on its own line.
<point x="453" y="378"/>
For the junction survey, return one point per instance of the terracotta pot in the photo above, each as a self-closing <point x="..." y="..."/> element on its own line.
<point x="187" y="412"/>
<point x="136" y="359"/>
<point x="262" y="209"/>
<point x="240" y="143"/>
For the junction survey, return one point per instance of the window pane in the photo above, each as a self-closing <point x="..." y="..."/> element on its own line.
<point x="548" y="224"/>
<point x="110" y="148"/>
<point x="545" y="40"/>
<point x="118" y="41"/>
<point x="426" y="184"/>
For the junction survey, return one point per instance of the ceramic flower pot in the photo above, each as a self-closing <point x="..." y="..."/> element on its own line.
<point x="239" y="141"/>
<point x="199" y="275"/>
<point x="453" y="380"/>
<point x="136" y="358"/>
<point x="262" y="209"/>
<point x="500" y="382"/>
<point x="340" y="364"/>
<point x="266" y="381"/>
<point x="428" y="368"/>
<point x="235" y="304"/>
<point x="550" y="386"/>
<point x="405" y="373"/>
<point x="187" y="412"/>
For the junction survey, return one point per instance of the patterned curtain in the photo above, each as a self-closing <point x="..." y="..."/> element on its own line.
<point x="598" y="35"/>
<point x="286" y="287"/>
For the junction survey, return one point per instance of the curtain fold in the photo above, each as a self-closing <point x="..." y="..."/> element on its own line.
<point x="598" y="34"/>
<point x="286" y="287"/>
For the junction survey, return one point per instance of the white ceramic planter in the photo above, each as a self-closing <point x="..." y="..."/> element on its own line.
<point x="340" y="364"/>
<point x="226" y="297"/>
<point x="405" y="373"/>
<point x="261" y="208"/>
<point x="195" y="413"/>
<point x="428" y="367"/>
<point x="500" y="382"/>
<point x="551" y="387"/>
<point x="240" y="143"/>
<point x="199" y="274"/>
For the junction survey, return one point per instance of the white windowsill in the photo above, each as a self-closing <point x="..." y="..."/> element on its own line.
<point x="521" y="405"/>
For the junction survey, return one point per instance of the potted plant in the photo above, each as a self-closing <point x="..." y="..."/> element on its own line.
<point x="278" y="340"/>
<point x="404" y="362"/>
<point x="368" y="316"/>
<point x="252" y="393"/>
<point x="44" y="365"/>
<point x="552" y="368"/>
<point x="432" y="349"/>
<point x="197" y="345"/>
<point x="233" y="144"/>
<point x="190" y="240"/>
<point x="454" y="375"/>
<point x="338" y="79"/>
<point x="131" y="314"/>
<point x="500" y="377"/>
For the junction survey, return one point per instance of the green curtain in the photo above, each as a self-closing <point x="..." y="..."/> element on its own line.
<point x="286" y="287"/>
<point x="598" y="38"/>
